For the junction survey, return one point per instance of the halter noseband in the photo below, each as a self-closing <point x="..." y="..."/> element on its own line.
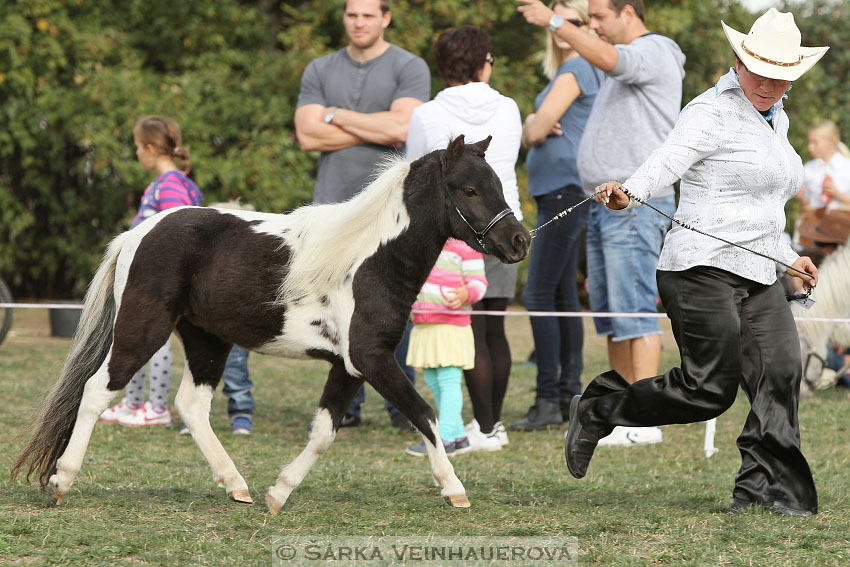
<point x="479" y="236"/>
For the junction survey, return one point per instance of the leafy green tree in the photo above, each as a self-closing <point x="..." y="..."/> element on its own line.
<point x="76" y="76"/>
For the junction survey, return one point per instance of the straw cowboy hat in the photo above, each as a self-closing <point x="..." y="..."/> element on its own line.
<point x="772" y="48"/>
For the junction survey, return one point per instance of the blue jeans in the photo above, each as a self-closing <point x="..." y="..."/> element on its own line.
<point x="551" y="286"/>
<point x="237" y="384"/>
<point x="622" y="255"/>
<point x="401" y="357"/>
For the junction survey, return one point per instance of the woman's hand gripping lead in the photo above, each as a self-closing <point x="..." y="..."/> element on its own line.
<point x="612" y="196"/>
<point x="804" y="264"/>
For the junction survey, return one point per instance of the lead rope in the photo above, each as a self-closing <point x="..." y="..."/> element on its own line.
<point x="796" y="296"/>
<point x="562" y="214"/>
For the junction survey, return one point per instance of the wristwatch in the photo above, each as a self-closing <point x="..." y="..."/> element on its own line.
<point x="555" y="22"/>
<point x="329" y="117"/>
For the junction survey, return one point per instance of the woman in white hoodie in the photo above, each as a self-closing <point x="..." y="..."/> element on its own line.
<point x="469" y="106"/>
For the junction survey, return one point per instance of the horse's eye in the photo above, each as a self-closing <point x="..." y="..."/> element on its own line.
<point x="469" y="192"/>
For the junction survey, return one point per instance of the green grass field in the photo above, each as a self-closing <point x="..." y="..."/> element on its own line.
<point x="146" y="497"/>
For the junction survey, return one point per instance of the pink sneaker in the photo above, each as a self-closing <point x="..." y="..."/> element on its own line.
<point x="147" y="415"/>
<point x="116" y="412"/>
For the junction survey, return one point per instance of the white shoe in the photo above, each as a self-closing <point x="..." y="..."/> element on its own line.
<point x="482" y="442"/>
<point x="625" y="436"/>
<point x="501" y="433"/>
<point x="472" y="429"/>
<point x="116" y="412"/>
<point x="146" y="415"/>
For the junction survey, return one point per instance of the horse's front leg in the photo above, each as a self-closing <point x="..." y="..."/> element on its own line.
<point x="384" y="374"/>
<point x="339" y="391"/>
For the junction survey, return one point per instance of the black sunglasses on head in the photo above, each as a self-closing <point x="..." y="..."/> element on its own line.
<point x="576" y="22"/>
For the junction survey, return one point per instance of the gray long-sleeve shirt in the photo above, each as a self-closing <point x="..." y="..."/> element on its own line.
<point x="637" y="106"/>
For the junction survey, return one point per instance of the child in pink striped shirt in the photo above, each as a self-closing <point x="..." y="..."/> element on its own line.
<point x="443" y="344"/>
<point x="158" y="143"/>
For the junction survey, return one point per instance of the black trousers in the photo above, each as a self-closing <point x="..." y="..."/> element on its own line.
<point x="731" y="331"/>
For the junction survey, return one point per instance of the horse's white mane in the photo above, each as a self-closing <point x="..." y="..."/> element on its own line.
<point x="832" y="297"/>
<point x="328" y="241"/>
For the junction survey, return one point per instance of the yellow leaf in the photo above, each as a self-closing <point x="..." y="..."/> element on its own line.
<point x="42" y="25"/>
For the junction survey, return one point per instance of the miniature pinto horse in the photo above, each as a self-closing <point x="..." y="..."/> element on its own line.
<point x="333" y="282"/>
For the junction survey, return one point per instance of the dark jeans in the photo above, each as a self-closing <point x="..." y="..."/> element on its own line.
<point x="237" y="384"/>
<point x="401" y="358"/>
<point x="551" y="286"/>
<point x="730" y="331"/>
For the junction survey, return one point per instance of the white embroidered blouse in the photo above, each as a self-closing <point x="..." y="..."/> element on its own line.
<point x="737" y="173"/>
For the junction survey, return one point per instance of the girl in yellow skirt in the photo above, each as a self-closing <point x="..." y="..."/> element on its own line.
<point x="442" y="343"/>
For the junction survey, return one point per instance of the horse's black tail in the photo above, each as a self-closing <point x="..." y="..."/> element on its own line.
<point x="53" y="424"/>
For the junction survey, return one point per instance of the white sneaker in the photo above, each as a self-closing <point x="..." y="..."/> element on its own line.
<point x="625" y="436"/>
<point x="499" y="431"/>
<point x="146" y="415"/>
<point x="116" y="412"/>
<point x="479" y="441"/>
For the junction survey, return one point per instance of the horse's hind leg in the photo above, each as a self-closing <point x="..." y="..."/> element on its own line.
<point x="338" y="393"/>
<point x="96" y="398"/>
<point x="388" y="379"/>
<point x="205" y="357"/>
<point x="124" y="359"/>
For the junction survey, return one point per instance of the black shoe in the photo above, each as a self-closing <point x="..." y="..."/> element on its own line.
<point x="579" y="444"/>
<point x="398" y="421"/>
<point x="542" y="415"/>
<point x="349" y="420"/>
<point x="740" y="505"/>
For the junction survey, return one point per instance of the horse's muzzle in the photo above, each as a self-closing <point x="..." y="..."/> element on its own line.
<point x="511" y="244"/>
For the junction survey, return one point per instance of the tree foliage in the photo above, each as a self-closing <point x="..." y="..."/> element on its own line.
<point x="76" y="75"/>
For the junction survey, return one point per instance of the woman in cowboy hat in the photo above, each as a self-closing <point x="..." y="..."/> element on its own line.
<point x="729" y="315"/>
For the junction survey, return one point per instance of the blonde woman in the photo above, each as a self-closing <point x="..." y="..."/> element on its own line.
<point x="826" y="178"/>
<point x="553" y="133"/>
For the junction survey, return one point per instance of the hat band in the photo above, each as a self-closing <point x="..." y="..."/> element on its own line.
<point x="770" y="61"/>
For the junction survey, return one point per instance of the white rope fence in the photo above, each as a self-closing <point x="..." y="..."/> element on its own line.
<point x="41" y="305"/>
<point x="514" y="313"/>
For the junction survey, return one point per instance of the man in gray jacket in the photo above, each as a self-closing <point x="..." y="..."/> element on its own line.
<point x="636" y="108"/>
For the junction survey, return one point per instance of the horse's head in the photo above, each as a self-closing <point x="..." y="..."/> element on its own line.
<point x="478" y="213"/>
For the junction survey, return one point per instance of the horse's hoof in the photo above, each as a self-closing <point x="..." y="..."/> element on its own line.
<point x="54" y="496"/>
<point x="458" y="501"/>
<point x="272" y="504"/>
<point x="241" y="495"/>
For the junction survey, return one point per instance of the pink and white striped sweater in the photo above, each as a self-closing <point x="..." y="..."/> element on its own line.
<point x="457" y="263"/>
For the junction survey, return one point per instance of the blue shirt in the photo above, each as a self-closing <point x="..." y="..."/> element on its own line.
<point x="552" y="164"/>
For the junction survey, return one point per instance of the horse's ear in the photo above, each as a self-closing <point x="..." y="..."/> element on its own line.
<point x="455" y="149"/>
<point x="483" y="144"/>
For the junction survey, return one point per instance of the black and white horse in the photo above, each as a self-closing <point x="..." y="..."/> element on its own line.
<point x="832" y="300"/>
<point x="333" y="282"/>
